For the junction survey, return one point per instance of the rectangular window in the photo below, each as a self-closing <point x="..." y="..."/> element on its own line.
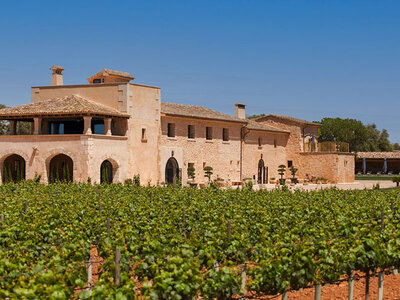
<point x="289" y="163"/>
<point x="190" y="131"/>
<point x="225" y="134"/>
<point x="208" y="133"/>
<point x="171" y="130"/>
<point x="144" y="138"/>
<point x="274" y="143"/>
<point x="259" y="142"/>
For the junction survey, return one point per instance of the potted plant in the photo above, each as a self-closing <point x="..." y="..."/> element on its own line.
<point x="272" y="180"/>
<point x="191" y="171"/>
<point x="208" y="172"/>
<point x="281" y="171"/>
<point x="293" y="171"/>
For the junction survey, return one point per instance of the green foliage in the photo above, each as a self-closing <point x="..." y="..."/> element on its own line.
<point x="191" y="172"/>
<point x="359" y="136"/>
<point x="249" y="185"/>
<point x="208" y="171"/>
<point x="128" y="182"/>
<point x="170" y="239"/>
<point x="136" y="180"/>
<point x="4" y="127"/>
<point x="293" y="171"/>
<point x="23" y="128"/>
<point x="37" y="178"/>
<point x="281" y="170"/>
<point x="396" y="180"/>
<point x="256" y="116"/>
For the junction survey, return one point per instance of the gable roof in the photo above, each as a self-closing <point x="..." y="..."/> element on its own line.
<point x="253" y="125"/>
<point x="201" y="112"/>
<point x="109" y="72"/>
<point x="69" y="105"/>
<point x="198" y="112"/>
<point x="287" y="118"/>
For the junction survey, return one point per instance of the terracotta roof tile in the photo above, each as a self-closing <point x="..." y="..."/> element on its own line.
<point x="195" y="111"/>
<point x="288" y="118"/>
<point x="379" y="155"/>
<point x="73" y="104"/>
<point x="253" y="125"/>
<point x="116" y="73"/>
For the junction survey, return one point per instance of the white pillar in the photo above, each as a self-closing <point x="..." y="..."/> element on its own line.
<point x="13" y="127"/>
<point x="37" y="124"/>
<point x="107" y="126"/>
<point x="87" y="125"/>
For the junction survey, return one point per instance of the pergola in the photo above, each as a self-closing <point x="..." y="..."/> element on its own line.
<point x="378" y="162"/>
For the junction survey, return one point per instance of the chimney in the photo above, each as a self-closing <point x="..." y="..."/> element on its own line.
<point x="240" y="110"/>
<point x="57" y="77"/>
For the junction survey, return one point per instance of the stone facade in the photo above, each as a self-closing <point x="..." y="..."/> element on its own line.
<point x="156" y="141"/>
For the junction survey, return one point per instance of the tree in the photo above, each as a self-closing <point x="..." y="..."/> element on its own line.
<point x="208" y="172"/>
<point x="191" y="171"/>
<point x="383" y="143"/>
<point x="359" y="136"/>
<point x="256" y="116"/>
<point x="396" y="146"/>
<point x="3" y="124"/>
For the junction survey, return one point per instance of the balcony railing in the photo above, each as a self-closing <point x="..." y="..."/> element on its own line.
<point x="326" y="147"/>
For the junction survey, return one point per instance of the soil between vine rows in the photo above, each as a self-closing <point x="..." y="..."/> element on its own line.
<point x="334" y="291"/>
<point x="339" y="290"/>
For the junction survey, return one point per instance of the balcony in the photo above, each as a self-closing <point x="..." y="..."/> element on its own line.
<point x="329" y="147"/>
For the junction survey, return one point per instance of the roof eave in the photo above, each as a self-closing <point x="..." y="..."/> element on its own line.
<point x="80" y="114"/>
<point x="269" y="130"/>
<point x="202" y="118"/>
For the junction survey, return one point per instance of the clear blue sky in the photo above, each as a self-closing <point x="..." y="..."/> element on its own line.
<point x="307" y="59"/>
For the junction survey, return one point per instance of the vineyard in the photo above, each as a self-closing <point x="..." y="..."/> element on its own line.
<point x="182" y="243"/>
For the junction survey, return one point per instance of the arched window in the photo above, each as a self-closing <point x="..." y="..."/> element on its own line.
<point x="106" y="172"/>
<point x="61" y="169"/>
<point x="172" y="171"/>
<point x="14" y="168"/>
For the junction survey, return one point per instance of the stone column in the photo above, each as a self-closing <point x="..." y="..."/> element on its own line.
<point x="87" y="127"/>
<point x="13" y="127"/>
<point x="107" y="126"/>
<point x="37" y="124"/>
<point x="45" y="127"/>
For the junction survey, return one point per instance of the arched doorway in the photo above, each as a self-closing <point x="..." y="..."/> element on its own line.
<point x="172" y="171"/>
<point x="61" y="169"/>
<point x="106" y="172"/>
<point x="14" y="168"/>
<point x="262" y="172"/>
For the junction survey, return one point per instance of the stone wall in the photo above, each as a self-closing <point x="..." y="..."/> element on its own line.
<point x="86" y="151"/>
<point x="272" y="151"/>
<point x="144" y="106"/>
<point x="336" y="167"/>
<point x="222" y="156"/>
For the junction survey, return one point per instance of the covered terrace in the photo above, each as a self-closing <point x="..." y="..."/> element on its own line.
<point x="67" y="115"/>
<point x="377" y="163"/>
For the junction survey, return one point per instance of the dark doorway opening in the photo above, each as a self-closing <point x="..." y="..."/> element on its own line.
<point x="262" y="172"/>
<point x="14" y="169"/>
<point x="61" y="169"/>
<point x="172" y="171"/>
<point x="106" y="172"/>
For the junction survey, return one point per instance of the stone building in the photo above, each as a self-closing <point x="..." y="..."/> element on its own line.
<point x="110" y="130"/>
